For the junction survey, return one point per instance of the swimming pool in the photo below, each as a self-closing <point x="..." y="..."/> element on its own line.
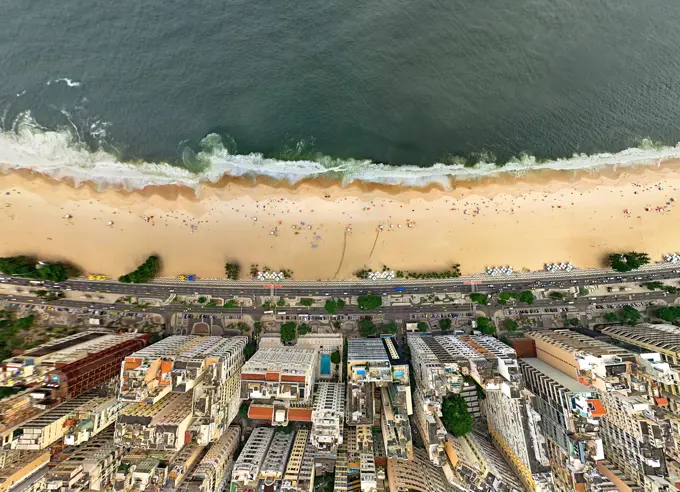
<point x="325" y="364"/>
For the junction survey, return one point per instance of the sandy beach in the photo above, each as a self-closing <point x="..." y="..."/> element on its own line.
<point x="329" y="232"/>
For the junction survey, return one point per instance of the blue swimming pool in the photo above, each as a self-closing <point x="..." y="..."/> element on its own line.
<point x="325" y="364"/>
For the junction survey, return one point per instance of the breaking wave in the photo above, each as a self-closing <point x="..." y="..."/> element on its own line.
<point x="67" y="153"/>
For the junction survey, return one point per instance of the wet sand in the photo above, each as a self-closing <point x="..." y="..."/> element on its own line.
<point x="323" y="231"/>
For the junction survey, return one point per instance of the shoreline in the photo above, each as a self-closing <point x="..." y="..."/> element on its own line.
<point x="322" y="230"/>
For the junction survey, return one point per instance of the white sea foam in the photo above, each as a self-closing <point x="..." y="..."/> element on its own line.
<point x="61" y="155"/>
<point x="66" y="80"/>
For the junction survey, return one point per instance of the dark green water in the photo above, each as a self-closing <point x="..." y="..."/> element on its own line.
<point x="393" y="81"/>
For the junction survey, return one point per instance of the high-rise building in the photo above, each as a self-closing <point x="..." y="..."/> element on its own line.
<point x="328" y="418"/>
<point x="298" y="470"/>
<point x="590" y="361"/>
<point x="418" y="474"/>
<point x="634" y="436"/>
<point x="212" y="472"/>
<point x="246" y="472"/>
<point x="276" y="459"/>
<point x="180" y="384"/>
<point x="65" y="368"/>
<point x="23" y="471"/>
<point x="377" y="371"/>
<point x="280" y="382"/>
<point x="477" y="465"/>
<point x="75" y="421"/>
<point x="569" y="415"/>
<point x="91" y="466"/>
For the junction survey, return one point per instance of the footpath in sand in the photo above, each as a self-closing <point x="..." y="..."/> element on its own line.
<point x="330" y="232"/>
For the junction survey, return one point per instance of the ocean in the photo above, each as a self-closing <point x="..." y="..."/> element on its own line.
<point x="131" y="93"/>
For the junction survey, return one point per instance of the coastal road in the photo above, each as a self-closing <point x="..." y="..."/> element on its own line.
<point x="165" y="287"/>
<point x="394" y="312"/>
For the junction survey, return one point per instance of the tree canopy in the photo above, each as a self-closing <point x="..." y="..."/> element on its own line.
<point x="455" y="416"/>
<point x="445" y="324"/>
<point x="628" y="315"/>
<point x="288" y="332"/>
<point x="625" y="262"/>
<point x="334" y="305"/>
<point x="510" y="324"/>
<point x="423" y="326"/>
<point x="485" y="326"/>
<point x="369" y="302"/>
<point x="23" y="266"/>
<point x="144" y="272"/>
<point x="366" y="327"/>
<point x="232" y="270"/>
<point x="335" y="357"/>
<point x="670" y="314"/>
<point x="479" y="298"/>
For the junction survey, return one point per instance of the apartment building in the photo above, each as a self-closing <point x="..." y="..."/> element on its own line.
<point x="418" y="474"/>
<point x="65" y="368"/>
<point x="23" y="471"/>
<point x="161" y="426"/>
<point x="297" y="466"/>
<point x="477" y="465"/>
<point x="90" y="466"/>
<point x="664" y="339"/>
<point x="377" y="371"/>
<point x="590" y="361"/>
<point x="280" y="383"/>
<point x="275" y="461"/>
<point x="570" y="413"/>
<point x="212" y="472"/>
<point x="328" y="418"/>
<point x="246" y="472"/>
<point x="514" y="426"/>
<point x="324" y="343"/>
<point x="634" y="438"/>
<point x="204" y="370"/>
<point x="75" y="421"/>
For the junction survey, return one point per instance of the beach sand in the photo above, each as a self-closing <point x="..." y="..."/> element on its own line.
<point x="329" y="232"/>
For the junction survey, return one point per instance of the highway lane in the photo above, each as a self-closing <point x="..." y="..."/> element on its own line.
<point x="578" y="278"/>
<point x="578" y="304"/>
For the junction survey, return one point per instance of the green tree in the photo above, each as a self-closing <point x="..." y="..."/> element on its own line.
<point x="288" y="331"/>
<point x="556" y="296"/>
<point x="656" y="285"/>
<point x="510" y="324"/>
<point x="445" y="324"/>
<point x="630" y="316"/>
<point x="144" y="273"/>
<point x="202" y="299"/>
<point x="526" y="296"/>
<point x="281" y="302"/>
<point x="232" y="270"/>
<point x="369" y="302"/>
<point x="423" y="326"/>
<point x="455" y="416"/>
<point x="303" y="329"/>
<point x="390" y="328"/>
<point x="155" y="338"/>
<point x="335" y="357"/>
<point x="22" y="266"/>
<point x="479" y="298"/>
<point x="331" y="306"/>
<point x="625" y="262"/>
<point x="307" y="302"/>
<point x="341" y="304"/>
<point x="243" y="409"/>
<point x="366" y="327"/>
<point x="485" y="326"/>
<point x="249" y="350"/>
<point x="669" y="314"/>
<point x="503" y="298"/>
<point x="611" y="317"/>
